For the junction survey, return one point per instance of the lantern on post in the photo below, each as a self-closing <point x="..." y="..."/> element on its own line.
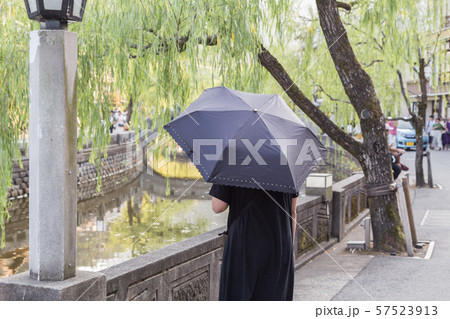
<point x="55" y="14"/>
<point x="53" y="163"/>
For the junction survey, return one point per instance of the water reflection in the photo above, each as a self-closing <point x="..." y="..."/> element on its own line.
<point x="134" y="220"/>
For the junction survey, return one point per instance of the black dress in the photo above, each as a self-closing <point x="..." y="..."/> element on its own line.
<point x="258" y="261"/>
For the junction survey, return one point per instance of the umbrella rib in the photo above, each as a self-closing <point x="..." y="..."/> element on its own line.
<point x="236" y="96"/>
<point x="264" y="112"/>
<point x="243" y="125"/>
<point x="290" y="168"/>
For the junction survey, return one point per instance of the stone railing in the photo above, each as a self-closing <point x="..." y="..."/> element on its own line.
<point x="189" y="270"/>
<point x="313" y="224"/>
<point x="348" y="205"/>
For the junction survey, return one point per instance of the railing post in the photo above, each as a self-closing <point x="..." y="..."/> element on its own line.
<point x="430" y="175"/>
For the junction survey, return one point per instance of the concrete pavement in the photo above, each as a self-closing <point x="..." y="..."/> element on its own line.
<point x="340" y="275"/>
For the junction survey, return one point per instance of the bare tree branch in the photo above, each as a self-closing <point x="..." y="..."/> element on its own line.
<point x="210" y="40"/>
<point x="329" y="96"/>
<point x="344" y="5"/>
<point x="371" y="63"/>
<point x="328" y="126"/>
<point x="405" y="96"/>
<point x="406" y="119"/>
<point x="431" y="58"/>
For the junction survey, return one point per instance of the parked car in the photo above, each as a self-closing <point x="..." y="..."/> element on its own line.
<point x="406" y="136"/>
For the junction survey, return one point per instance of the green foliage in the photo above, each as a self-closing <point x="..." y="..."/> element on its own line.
<point x="154" y="51"/>
<point x="14" y="29"/>
<point x="163" y="53"/>
<point x="386" y="36"/>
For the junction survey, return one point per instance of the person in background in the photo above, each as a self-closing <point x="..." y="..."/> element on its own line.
<point x="350" y="127"/>
<point x="446" y="135"/>
<point x="428" y="128"/>
<point x="119" y="118"/>
<point x="396" y="170"/>
<point x="392" y="137"/>
<point x="395" y="153"/>
<point x="112" y="122"/>
<point x="436" y="133"/>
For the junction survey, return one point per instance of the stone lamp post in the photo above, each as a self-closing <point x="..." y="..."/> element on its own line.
<point x="53" y="162"/>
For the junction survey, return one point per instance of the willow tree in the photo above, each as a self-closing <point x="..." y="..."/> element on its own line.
<point x="156" y="54"/>
<point x="372" y="153"/>
<point x="402" y="47"/>
<point x="13" y="96"/>
<point x="160" y="54"/>
<point x="428" y="51"/>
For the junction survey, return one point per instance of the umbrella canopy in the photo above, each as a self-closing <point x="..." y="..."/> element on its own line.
<point x="248" y="140"/>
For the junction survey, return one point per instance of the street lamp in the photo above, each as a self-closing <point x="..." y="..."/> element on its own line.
<point x="55" y="14"/>
<point x="53" y="163"/>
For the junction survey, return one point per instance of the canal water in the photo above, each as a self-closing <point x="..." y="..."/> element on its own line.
<point x="136" y="219"/>
<point x="132" y="221"/>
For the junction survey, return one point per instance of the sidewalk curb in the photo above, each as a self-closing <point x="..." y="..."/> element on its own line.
<point x="306" y="258"/>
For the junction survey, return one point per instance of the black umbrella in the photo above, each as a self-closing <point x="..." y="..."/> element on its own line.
<point x="247" y="140"/>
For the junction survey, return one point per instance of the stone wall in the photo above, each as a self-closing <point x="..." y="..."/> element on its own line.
<point x="122" y="164"/>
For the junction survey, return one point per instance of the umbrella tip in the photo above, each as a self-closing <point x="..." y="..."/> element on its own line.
<point x="254" y="110"/>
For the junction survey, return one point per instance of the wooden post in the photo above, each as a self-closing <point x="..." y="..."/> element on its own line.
<point x="430" y="175"/>
<point x="405" y="184"/>
<point x="404" y="217"/>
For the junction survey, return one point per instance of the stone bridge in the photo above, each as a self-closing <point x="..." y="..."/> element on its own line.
<point x="190" y="270"/>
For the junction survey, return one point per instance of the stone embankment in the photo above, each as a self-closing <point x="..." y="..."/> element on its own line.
<point x="122" y="164"/>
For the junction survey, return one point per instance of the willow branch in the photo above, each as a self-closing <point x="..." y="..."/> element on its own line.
<point x="210" y="40"/>
<point x="329" y="96"/>
<point x="434" y="49"/>
<point x="405" y="96"/>
<point x="371" y="63"/>
<point x="375" y="40"/>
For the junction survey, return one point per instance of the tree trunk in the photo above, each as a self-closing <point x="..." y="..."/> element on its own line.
<point x="419" y="124"/>
<point x="373" y="154"/>
<point x="418" y="121"/>
<point x="129" y="110"/>
<point x="375" y="159"/>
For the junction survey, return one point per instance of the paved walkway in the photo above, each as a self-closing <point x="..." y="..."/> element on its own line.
<point x="341" y="275"/>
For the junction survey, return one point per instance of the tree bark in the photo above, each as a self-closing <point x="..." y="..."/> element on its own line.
<point x="129" y="110"/>
<point x="373" y="153"/>
<point x="419" y="124"/>
<point x="271" y="64"/>
<point x="386" y="224"/>
<point x="387" y="227"/>
<point x="417" y="119"/>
